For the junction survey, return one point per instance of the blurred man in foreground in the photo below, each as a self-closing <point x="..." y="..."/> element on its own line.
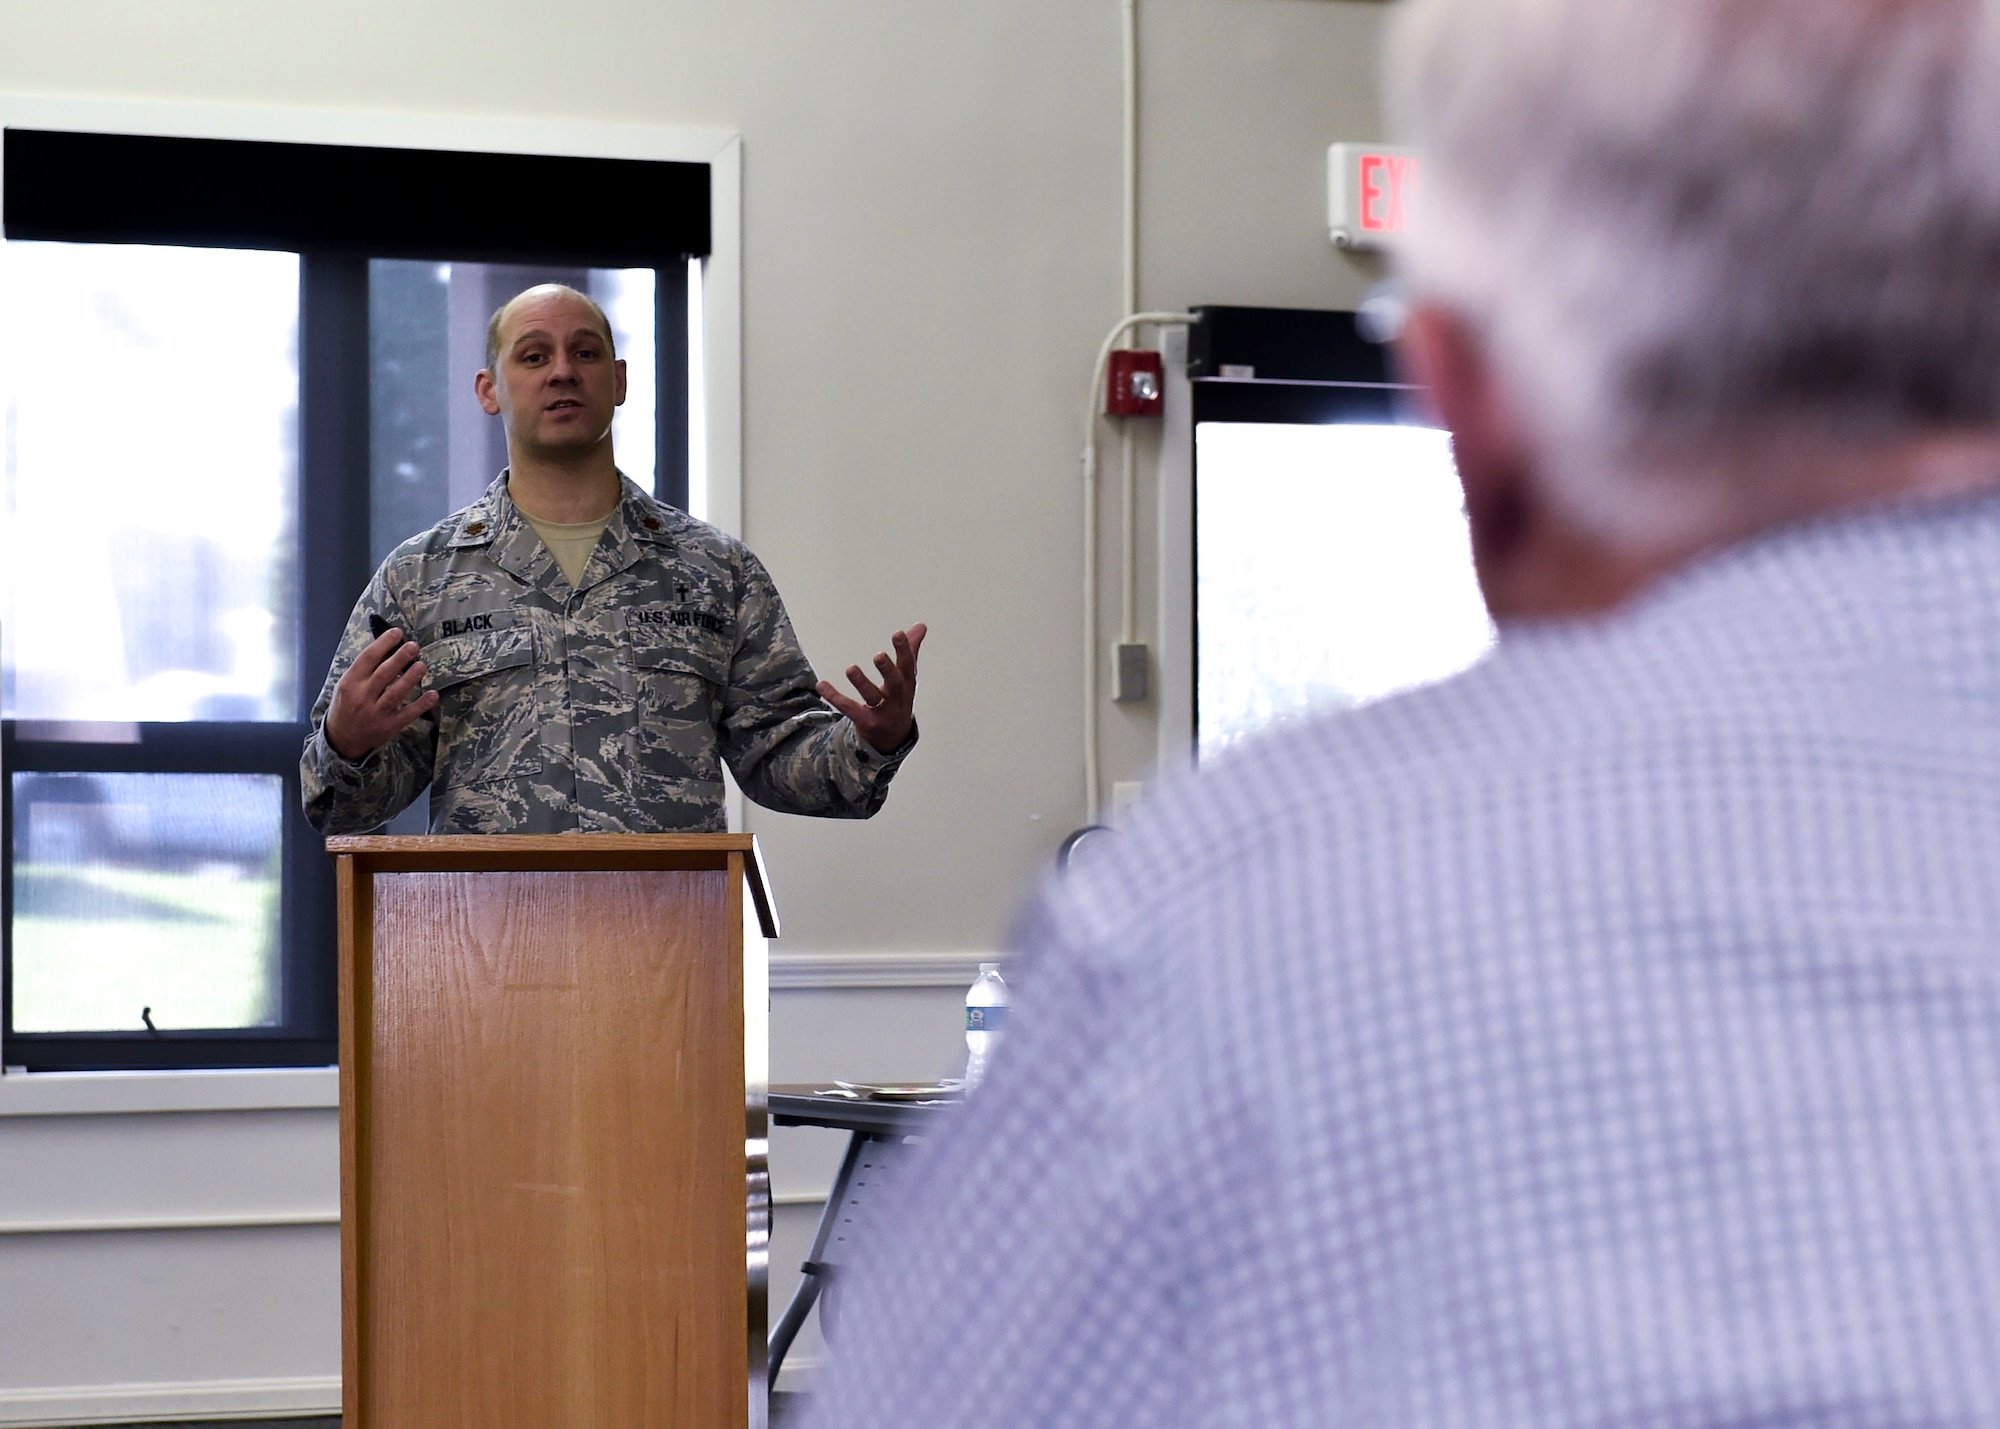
<point x="1610" y="1035"/>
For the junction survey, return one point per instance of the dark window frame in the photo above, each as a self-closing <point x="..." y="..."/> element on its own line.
<point x="323" y="202"/>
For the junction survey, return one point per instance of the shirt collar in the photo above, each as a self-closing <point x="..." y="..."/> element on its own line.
<point x="637" y="523"/>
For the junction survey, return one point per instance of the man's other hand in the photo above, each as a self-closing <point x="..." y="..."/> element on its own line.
<point x="885" y="713"/>
<point x="372" y="704"/>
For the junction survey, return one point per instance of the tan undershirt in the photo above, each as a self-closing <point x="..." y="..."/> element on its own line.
<point x="570" y="542"/>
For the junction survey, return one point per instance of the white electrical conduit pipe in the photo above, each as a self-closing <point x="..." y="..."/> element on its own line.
<point x="1128" y="541"/>
<point x="1128" y="623"/>
<point x="1130" y="292"/>
<point x="1091" y="802"/>
<point x="1128" y="619"/>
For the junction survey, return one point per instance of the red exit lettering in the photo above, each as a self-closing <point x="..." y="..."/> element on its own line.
<point x="1385" y="186"/>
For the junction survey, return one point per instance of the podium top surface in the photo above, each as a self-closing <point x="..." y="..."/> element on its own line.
<point x="508" y="853"/>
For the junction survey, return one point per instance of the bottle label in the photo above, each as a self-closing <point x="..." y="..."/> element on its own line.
<point x="985" y="1019"/>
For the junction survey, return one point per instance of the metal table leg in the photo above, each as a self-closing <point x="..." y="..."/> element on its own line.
<point x="857" y="1168"/>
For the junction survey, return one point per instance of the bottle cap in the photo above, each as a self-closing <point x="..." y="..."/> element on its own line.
<point x="993" y="968"/>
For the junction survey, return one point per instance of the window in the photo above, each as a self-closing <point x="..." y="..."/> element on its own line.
<point x="1333" y="565"/>
<point x="151" y="644"/>
<point x="151" y="476"/>
<point x="147" y="900"/>
<point x="228" y="338"/>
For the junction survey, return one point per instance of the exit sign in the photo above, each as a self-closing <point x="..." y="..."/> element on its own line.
<point x="1368" y="190"/>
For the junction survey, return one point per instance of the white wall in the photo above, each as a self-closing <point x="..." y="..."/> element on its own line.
<point x="930" y="259"/>
<point x="168" y="1250"/>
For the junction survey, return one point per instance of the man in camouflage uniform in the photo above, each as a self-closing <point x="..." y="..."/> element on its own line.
<point x="602" y="699"/>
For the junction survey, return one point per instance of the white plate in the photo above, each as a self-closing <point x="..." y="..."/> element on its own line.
<point x="904" y="1091"/>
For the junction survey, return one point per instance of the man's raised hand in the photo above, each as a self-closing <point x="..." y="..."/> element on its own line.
<point x="886" y="712"/>
<point x="372" y="704"/>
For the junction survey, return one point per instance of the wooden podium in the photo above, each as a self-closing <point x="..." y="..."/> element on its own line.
<point x="553" y="1195"/>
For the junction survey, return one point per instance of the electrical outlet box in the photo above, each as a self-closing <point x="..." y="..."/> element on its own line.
<point x="1128" y="673"/>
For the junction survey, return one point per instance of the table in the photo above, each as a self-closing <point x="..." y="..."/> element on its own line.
<point x="873" y="1127"/>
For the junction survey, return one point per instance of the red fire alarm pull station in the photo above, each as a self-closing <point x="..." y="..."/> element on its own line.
<point x="1135" y="384"/>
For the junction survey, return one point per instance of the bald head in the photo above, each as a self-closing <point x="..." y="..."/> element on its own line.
<point x="496" y="325"/>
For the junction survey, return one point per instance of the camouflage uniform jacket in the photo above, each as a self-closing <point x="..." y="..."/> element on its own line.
<point x="607" y="708"/>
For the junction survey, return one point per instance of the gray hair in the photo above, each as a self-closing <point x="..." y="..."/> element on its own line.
<point x="1688" y="224"/>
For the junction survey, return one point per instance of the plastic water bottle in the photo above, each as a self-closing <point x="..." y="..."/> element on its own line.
<point x="986" y="1004"/>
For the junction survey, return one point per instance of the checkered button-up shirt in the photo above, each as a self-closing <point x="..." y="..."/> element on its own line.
<point x="1609" y="1036"/>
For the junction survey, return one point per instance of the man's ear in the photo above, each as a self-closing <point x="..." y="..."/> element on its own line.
<point x="619" y="367"/>
<point x="489" y="399"/>
<point x="1449" y="358"/>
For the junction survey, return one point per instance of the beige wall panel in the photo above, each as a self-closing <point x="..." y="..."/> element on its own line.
<point x="163" y="1307"/>
<point x="180" y="1165"/>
